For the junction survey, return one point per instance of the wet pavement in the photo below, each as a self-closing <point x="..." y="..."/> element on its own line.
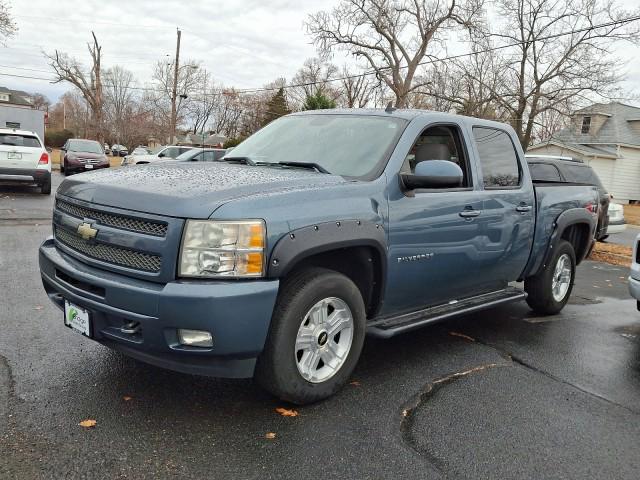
<point x="500" y="394"/>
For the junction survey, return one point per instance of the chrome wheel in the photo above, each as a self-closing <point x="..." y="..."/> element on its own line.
<point x="561" y="278"/>
<point x="324" y="340"/>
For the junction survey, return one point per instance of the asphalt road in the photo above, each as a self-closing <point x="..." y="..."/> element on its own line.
<point x="500" y="394"/>
<point x="627" y="237"/>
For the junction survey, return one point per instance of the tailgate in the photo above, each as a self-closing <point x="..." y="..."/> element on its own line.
<point x="19" y="151"/>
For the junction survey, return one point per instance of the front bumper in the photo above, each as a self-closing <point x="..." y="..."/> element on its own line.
<point x="37" y="176"/>
<point x="236" y="313"/>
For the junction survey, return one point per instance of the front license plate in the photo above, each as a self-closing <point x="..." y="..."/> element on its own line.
<point x="14" y="155"/>
<point x="77" y="318"/>
<point x="88" y="167"/>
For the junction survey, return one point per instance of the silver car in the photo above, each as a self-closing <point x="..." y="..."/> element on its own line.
<point x="634" y="279"/>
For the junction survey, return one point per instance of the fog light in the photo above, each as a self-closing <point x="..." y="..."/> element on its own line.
<point x="195" y="338"/>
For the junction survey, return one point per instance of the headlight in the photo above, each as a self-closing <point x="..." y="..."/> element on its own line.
<point x="213" y="248"/>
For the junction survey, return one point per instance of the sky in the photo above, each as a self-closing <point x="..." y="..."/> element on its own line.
<point x="243" y="43"/>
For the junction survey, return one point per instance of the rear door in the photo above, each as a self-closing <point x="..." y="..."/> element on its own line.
<point x="508" y="205"/>
<point x="19" y="151"/>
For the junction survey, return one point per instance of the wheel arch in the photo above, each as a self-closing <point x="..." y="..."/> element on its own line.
<point x="577" y="226"/>
<point x="355" y="248"/>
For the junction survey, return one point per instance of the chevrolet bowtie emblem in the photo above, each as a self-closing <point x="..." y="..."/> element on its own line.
<point x="86" y="231"/>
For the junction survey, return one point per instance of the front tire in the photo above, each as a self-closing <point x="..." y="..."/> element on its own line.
<point x="549" y="291"/>
<point x="316" y="337"/>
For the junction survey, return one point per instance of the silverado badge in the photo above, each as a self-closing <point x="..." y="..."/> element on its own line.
<point x="86" y="231"/>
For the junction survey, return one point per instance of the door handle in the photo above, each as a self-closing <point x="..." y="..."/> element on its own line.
<point x="468" y="213"/>
<point x="523" y="208"/>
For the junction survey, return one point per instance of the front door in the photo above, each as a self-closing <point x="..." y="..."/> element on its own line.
<point x="436" y="236"/>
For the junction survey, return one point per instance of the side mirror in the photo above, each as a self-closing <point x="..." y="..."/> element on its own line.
<point x="433" y="174"/>
<point x="161" y="155"/>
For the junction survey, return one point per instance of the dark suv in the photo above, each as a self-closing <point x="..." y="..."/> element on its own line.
<point x="82" y="155"/>
<point x="551" y="168"/>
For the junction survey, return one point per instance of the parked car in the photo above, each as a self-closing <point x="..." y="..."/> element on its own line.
<point x="617" y="223"/>
<point x="319" y="228"/>
<point x="107" y="149"/>
<point x="24" y="160"/>
<point x="119" y="150"/>
<point x="202" y="155"/>
<point x="80" y="155"/>
<point x="634" y="278"/>
<point x="138" y="151"/>
<point x="170" y="152"/>
<point x="551" y="168"/>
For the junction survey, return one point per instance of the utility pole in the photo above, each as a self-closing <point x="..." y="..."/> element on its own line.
<point x="175" y="90"/>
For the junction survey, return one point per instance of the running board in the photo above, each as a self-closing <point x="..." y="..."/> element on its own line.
<point x="389" y="326"/>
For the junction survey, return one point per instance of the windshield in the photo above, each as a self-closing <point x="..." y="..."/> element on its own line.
<point x="88" y="146"/>
<point x="348" y="145"/>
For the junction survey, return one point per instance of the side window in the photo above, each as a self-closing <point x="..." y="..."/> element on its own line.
<point x="544" y="172"/>
<point x="172" y="152"/>
<point x="439" y="143"/>
<point x="498" y="158"/>
<point x="209" y="156"/>
<point x="218" y="154"/>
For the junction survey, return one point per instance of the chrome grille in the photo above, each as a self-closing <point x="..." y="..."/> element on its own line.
<point x="109" y="253"/>
<point x="138" y="225"/>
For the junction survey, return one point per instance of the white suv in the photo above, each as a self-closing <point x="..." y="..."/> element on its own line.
<point x="165" y="153"/>
<point x="23" y="159"/>
<point x="634" y="279"/>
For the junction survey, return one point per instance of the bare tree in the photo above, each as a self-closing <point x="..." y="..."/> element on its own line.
<point x="357" y="91"/>
<point x="393" y="36"/>
<point x="40" y="102"/>
<point x="7" y="26"/>
<point x="68" y="69"/>
<point x="119" y="102"/>
<point x="190" y="82"/>
<point x="311" y="79"/>
<point x="544" y="70"/>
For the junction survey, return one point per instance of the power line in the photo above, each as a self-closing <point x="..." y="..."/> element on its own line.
<point x="373" y="72"/>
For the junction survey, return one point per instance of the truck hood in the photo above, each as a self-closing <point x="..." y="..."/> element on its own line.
<point x="189" y="190"/>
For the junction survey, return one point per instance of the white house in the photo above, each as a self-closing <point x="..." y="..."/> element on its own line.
<point x="17" y="111"/>
<point x="607" y="137"/>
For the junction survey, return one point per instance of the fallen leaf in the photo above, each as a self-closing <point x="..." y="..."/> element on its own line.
<point x="355" y="383"/>
<point x="462" y="335"/>
<point x="270" y="435"/>
<point x="286" y="412"/>
<point x="126" y="398"/>
<point x="405" y="413"/>
<point x="88" y="423"/>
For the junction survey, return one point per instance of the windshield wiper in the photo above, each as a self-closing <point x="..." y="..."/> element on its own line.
<point x="312" y="165"/>
<point x="245" y="160"/>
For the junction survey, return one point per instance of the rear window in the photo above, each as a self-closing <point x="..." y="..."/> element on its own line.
<point x="581" y="174"/>
<point x="19" y="140"/>
<point x="544" y="172"/>
<point x="498" y="158"/>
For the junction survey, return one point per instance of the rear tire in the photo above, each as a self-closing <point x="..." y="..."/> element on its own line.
<point x="549" y="291"/>
<point x="45" y="188"/>
<point x="316" y="337"/>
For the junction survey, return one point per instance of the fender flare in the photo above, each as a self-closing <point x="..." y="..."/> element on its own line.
<point x="323" y="237"/>
<point x="566" y="219"/>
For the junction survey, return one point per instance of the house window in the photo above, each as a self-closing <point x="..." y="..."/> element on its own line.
<point x="586" y="124"/>
<point x="4" y="97"/>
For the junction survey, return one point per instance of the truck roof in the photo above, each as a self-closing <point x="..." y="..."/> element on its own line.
<point x="404" y="113"/>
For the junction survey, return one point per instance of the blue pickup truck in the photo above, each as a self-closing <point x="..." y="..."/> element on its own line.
<point x="319" y="229"/>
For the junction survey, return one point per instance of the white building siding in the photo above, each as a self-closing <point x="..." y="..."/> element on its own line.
<point x="627" y="175"/>
<point x="605" y="168"/>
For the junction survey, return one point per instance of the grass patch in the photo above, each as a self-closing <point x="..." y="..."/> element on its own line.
<point x="612" y="253"/>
